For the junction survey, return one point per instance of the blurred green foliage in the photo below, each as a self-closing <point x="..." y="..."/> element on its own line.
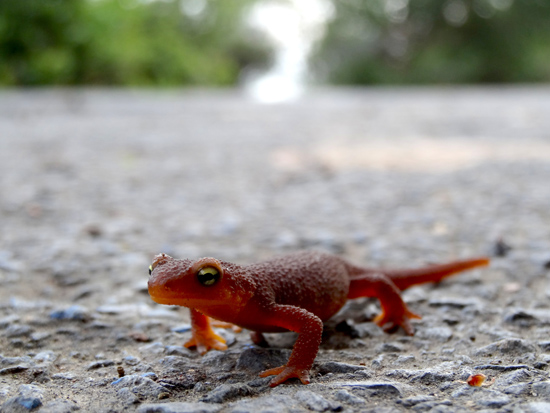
<point x="126" y="42"/>
<point x="435" y="41"/>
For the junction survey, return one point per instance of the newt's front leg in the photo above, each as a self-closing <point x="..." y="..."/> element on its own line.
<point x="204" y="338"/>
<point x="309" y="328"/>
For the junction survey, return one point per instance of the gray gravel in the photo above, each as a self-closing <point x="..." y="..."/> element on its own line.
<point x="94" y="183"/>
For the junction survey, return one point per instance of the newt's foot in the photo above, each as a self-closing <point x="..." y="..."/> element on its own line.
<point x="391" y="322"/>
<point x="205" y="341"/>
<point x="283" y="373"/>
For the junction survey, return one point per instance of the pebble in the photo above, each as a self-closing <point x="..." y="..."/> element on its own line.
<point x="389" y="348"/>
<point x="537" y="407"/>
<point x="222" y="361"/>
<point x="272" y="403"/>
<point x="415" y="400"/>
<point x="511" y="346"/>
<point x="13" y="370"/>
<point x="521" y="318"/>
<point x="140" y="386"/>
<point x="316" y="402"/>
<point x="339" y="368"/>
<point x="178" y="351"/>
<point x="18" y="330"/>
<point x="256" y="359"/>
<point x="153" y="349"/>
<point x="29" y="397"/>
<point x="441" y="334"/>
<point x="59" y="406"/>
<point x="100" y="364"/>
<point x="126" y="396"/>
<point x="226" y="392"/>
<point x="517" y="389"/>
<point x="346" y="397"/>
<point x="72" y="313"/>
<point x="179" y="407"/>
<point x="541" y="388"/>
<point x="376" y="388"/>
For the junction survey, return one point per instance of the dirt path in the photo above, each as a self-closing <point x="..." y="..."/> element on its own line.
<point x="94" y="183"/>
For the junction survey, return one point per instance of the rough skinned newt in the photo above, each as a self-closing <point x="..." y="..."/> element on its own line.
<point x="295" y="292"/>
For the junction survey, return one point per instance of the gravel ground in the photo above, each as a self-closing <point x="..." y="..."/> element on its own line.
<point x="94" y="183"/>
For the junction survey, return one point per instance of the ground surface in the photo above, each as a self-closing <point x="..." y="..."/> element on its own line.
<point x="94" y="183"/>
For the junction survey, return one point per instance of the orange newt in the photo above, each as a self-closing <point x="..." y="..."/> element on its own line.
<point x="296" y="292"/>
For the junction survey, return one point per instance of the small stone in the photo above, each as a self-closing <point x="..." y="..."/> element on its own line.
<point x="514" y="377"/>
<point x="20" y="404"/>
<point x="405" y="359"/>
<point x="226" y="392"/>
<point x="377" y="388"/>
<point x="521" y="318"/>
<point x="40" y="335"/>
<point x="256" y="360"/>
<point x="517" y="389"/>
<point x="501" y="248"/>
<point x="544" y="345"/>
<point x="13" y="370"/>
<point x="432" y="376"/>
<point x="346" y="397"/>
<point x="493" y="401"/>
<point x="177" y="351"/>
<point x="29" y="398"/>
<point x="141" y="386"/>
<point x="153" y="349"/>
<point x="64" y="376"/>
<point x="339" y="368"/>
<point x="184" y="328"/>
<point x="7" y="321"/>
<point x="45" y="357"/>
<point x="414" y="400"/>
<point x="389" y="348"/>
<point x="10" y="361"/>
<point x="18" y="330"/>
<point x="179" y="407"/>
<point x="127" y="397"/>
<point x="73" y="313"/>
<point x="131" y="360"/>
<point x="542" y="388"/>
<point x="455" y="302"/>
<point x="315" y="402"/>
<point x="512" y="346"/>
<point x="100" y="364"/>
<point x="59" y="406"/>
<point x="499" y="367"/>
<point x="174" y="364"/>
<point x="537" y="407"/>
<point x="439" y="333"/>
<point x="366" y="330"/>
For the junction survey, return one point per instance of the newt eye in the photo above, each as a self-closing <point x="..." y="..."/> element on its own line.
<point x="150" y="269"/>
<point x="208" y="276"/>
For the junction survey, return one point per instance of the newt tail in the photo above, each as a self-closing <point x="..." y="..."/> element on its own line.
<point x="405" y="278"/>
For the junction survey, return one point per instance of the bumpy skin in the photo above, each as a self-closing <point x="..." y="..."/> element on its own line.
<point x="296" y="292"/>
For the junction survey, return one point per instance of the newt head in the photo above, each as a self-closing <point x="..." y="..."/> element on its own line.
<point x="202" y="284"/>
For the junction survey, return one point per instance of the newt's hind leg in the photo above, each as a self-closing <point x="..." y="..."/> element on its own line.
<point x="394" y="310"/>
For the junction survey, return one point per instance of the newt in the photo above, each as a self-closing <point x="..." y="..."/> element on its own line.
<point x="296" y="292"/>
